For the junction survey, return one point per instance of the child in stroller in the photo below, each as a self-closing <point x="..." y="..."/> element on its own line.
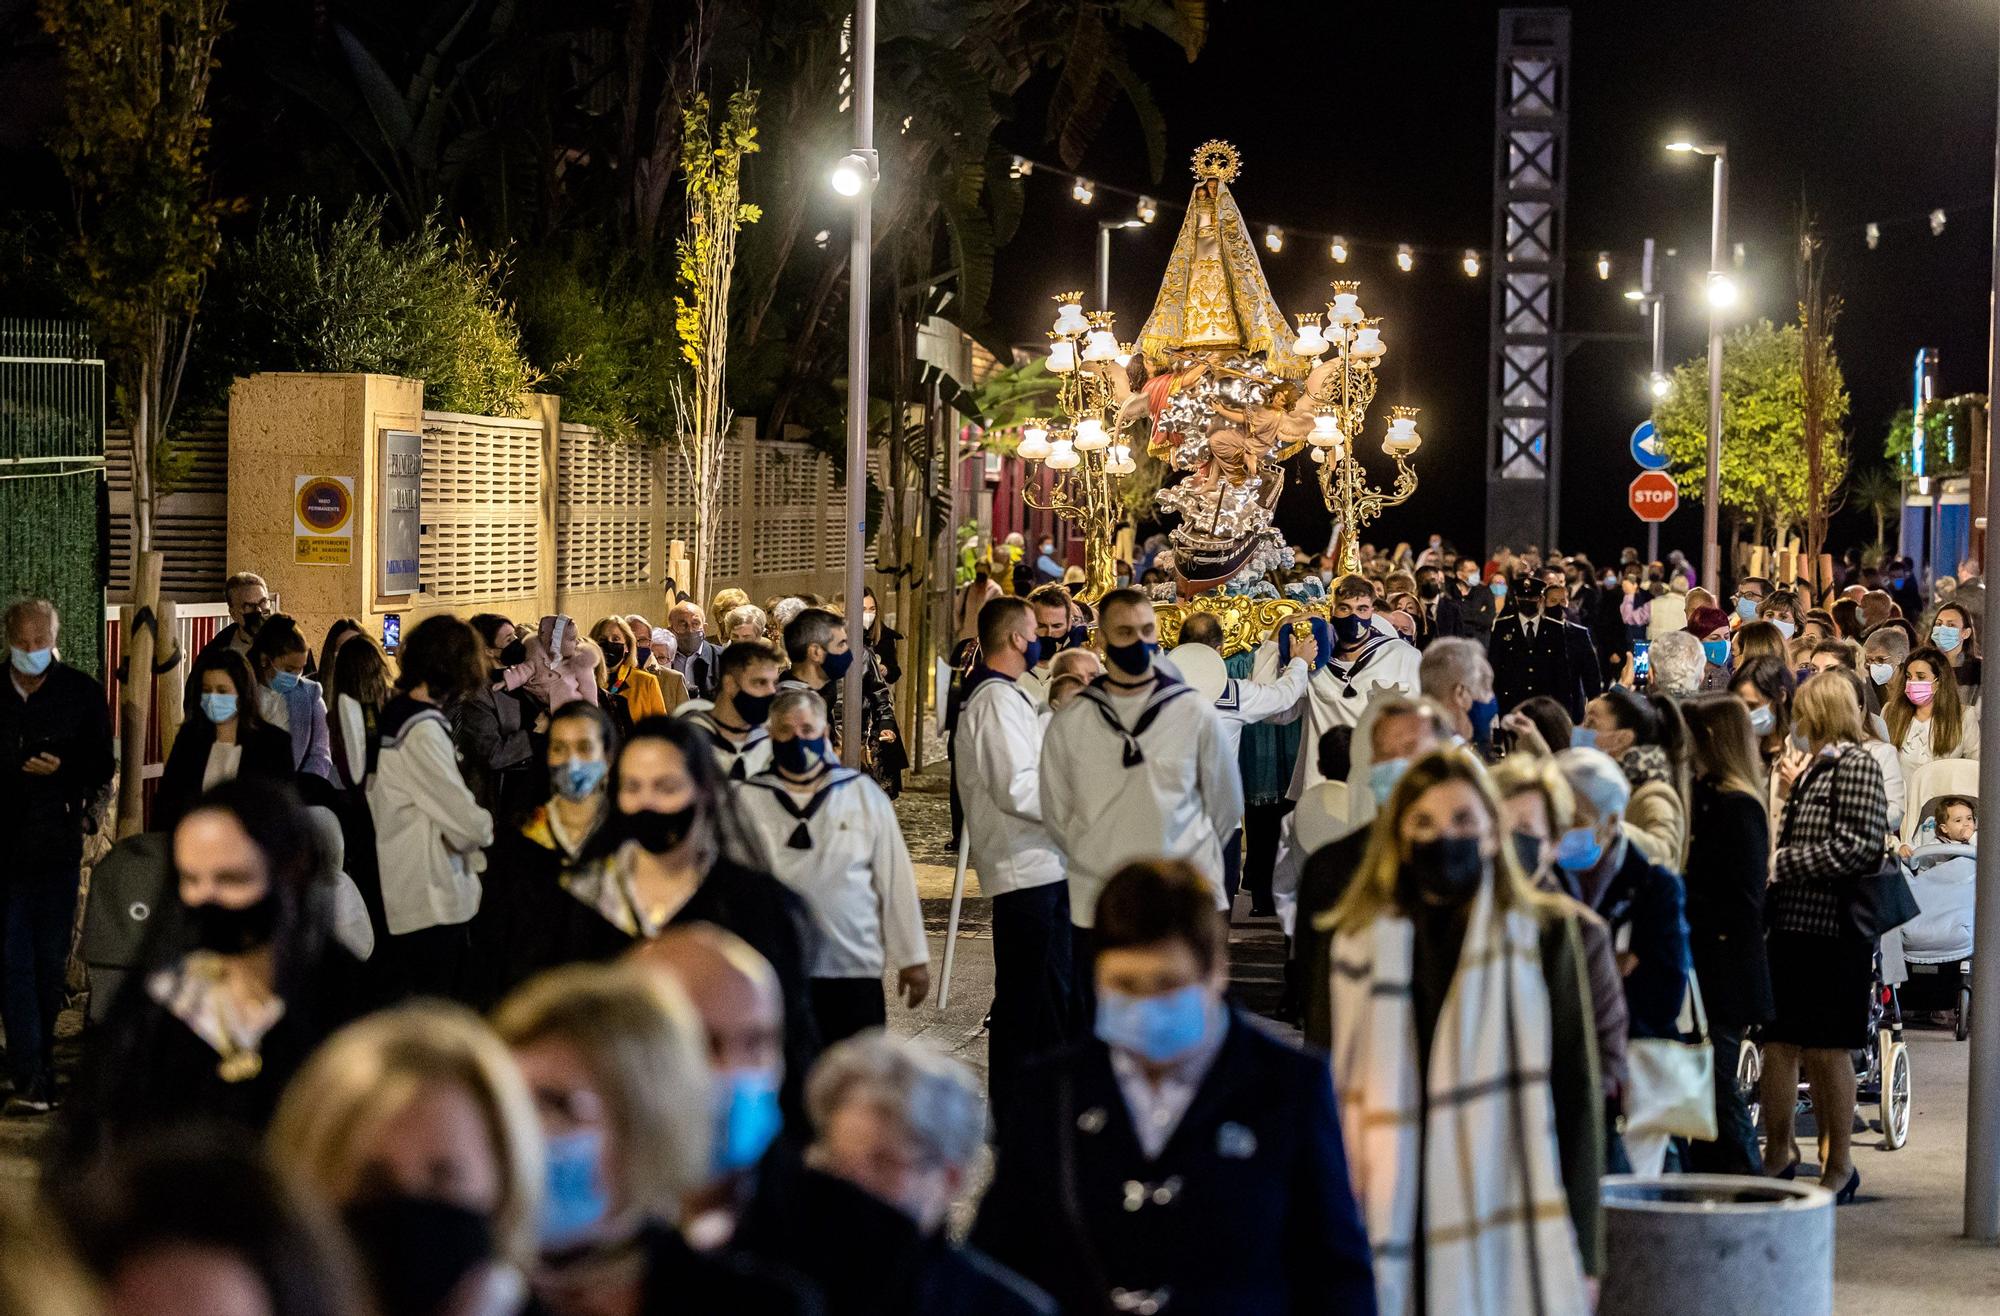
<point x="1936" y="946"/>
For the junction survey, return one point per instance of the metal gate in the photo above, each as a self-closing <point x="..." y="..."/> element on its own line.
<point x="52" y="477"/>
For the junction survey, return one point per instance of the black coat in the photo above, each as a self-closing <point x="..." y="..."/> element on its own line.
<point x="680" y="1279"/>
<point x="1729" y="839"/>
<point x="44" y="817"/>
<point x="704" y="671"/>
<point x="868" y="1258"/>
<point x="1323" y="880"/>
<point x="1549" y="666"/>
<point x="1450" y="620"/>
<point x="267" y="753"/>
<point x="1248" y="1207"/>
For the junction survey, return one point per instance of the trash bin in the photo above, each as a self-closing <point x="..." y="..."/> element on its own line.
<point x="1717" y="1244"/>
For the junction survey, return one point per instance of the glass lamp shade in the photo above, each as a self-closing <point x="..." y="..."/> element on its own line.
<point x="1062" y="357"/>
<point x="1120" y="461"/>
<point x="1319" y="456"/>
<point x="1346" y="309"/>
<point x="1100" y="346"/>
<point x="1034" y="444"/>
<point x="1090" y="435"/>
<point x="1325" y="431"/>
<point x="1368" y="344"/>
<point x="1069" y="320"/>
<point x="1310" y="342"/>
<point x="1062" y="456"/>
<point x="1402" y="436"/>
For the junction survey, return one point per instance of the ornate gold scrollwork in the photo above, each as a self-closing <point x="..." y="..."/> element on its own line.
<point x="1246" y="622"/>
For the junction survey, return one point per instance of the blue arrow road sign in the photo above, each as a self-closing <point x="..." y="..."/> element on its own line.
<point x="1647" y="449"/>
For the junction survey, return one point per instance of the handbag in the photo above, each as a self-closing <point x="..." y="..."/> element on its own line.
<point x="1672" y="1079"/>
<point x="1880" y="901"/>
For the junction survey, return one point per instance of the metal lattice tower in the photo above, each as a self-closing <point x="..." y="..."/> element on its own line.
<point x="1524" y="373"/>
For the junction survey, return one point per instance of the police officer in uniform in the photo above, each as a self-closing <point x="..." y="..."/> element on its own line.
<point x="1530" y="654"/>
<point x="1182" y="1160"/>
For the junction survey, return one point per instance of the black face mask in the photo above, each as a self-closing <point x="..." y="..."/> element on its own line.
<point x="515" y="653"/>
<point x="417" y="1249"/>
<point x="614" y="655"/>
<point x="1441" y="872"/>
<point x="1079" y="635"/>
<point x="1528" y="849"/>
<point x="1428" y="590"/>
<point x="753" y="709"/>
<point x="228" y="931"/>
<point x="1529" y="607"/>
<point x="658" y="832"/>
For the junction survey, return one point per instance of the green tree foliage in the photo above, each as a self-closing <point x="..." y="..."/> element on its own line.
<point x="1948" y="435"/>
<point x="134" y="145"/>
<point x="304" y="294"/>
<point x="1763" y="476"/>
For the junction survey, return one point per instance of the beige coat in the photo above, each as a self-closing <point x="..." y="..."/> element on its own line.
<point x="1656" y="822"/>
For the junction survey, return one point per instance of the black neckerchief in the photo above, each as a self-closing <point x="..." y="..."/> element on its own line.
<point x="1373" y="645"/>
<point x="724" y="741"/>
<point x="780" y="786"/>
<point x="1165" y="689"/>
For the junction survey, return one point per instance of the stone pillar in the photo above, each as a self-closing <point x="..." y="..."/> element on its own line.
<point x="1716" y="1243"/>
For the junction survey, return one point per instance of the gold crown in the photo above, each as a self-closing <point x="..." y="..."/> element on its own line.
<point x="1062" y="297"/>
<point x="1218" y="160"/>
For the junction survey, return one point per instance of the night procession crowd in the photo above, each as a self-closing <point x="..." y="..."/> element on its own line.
<point x="545" y="967"/>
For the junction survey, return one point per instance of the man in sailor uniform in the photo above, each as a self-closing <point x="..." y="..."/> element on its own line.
<point x="1137" y="766"/>
<point x="1182" y="1159"/>
<point x="1238" y="703"/>
<point x="831" y="836"/>
<point x="746" y="682"/>
<point x="1366" y="664"/>
<point x="998" y="753"/>
<point x="1057" y="629"/>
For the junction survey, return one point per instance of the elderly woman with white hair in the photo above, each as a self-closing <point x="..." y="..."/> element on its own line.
<point x="897" y="1127"/>
<point x="1677" y="663"/>
<point x="1644" y="904"/>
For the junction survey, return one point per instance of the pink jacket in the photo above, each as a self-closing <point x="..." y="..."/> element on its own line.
<point x="561" y="666"/>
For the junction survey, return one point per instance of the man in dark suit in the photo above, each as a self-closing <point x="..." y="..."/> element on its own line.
<point x="1584" y="667"/>
<point x="695" y="657"/>
<point x="1182" y="1155"/>
<point x="1530" y="654"/>
<point x="1437" y="612"/>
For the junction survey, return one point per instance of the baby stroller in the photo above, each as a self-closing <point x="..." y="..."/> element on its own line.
<point x="1935" y="948"/>
<point x="1881" y="1071"/>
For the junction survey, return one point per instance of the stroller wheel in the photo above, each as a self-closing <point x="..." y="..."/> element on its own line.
<point x="1964" y="1012"/>
<point x="1895" y="1096"/>
<point x="1749" y="1079"/>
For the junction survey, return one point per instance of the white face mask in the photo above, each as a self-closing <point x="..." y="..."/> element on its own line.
<point x="1880" y="673"/>
<point x="867" y="618"/>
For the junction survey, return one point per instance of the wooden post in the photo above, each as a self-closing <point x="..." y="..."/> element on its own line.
<point x="138" y="631"/>
<point x="678" y="570"/>
<point x="170" y="686"/>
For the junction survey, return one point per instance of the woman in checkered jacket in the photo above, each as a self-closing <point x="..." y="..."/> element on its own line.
<point x="1836" y="816"/>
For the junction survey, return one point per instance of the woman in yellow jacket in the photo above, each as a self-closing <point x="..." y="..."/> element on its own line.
<point x="620" y="677"/>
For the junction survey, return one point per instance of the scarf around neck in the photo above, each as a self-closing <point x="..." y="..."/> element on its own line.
<point x="1644" y="763"/>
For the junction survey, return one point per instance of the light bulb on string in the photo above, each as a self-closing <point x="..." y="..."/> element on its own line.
<point x="1406" y="257"/>
<point x="1148" y="209"/>
<point x="1603" y="265"/>
<point x="1470" y="263"/>
<point x="1083" y="190"/>
<point x="1937" y="223"/>
<point x="1872" y="235"/>
<point x="1338" y="250"/>
<point x="1274" y="239"/>
<point x="1020" y="167"/>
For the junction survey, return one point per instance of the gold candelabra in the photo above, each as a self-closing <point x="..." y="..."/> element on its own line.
<point x="1341" y="391"/>
<point x="1078" y="442"/>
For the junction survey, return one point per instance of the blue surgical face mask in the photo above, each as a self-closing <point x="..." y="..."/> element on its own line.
<point x="1762" y="719"/>
<point x="1133" y="659"/>
<point x="1579" y="850"/>
<point x="32" y="662"/>
<point x="799" y="754"/>
<point x="1499" y="588"/>
<point x="1747" y="608"/>
<point x="218" y="708"/>
<point x="836" y="664"/>
<point x="1785" y="628"/>
<point x="1033" y="653"/>
<point x="1155" y="1028"/>
<point x="1945" y="637"/>
<point x="283" y="682"/>
<point x="1881" y="673"/>
<point x="1582" y="738"/>
<point x="574" y="1201"/>
<point x="1716" y="651"/>
<point x="1383" y="776"/>
<point x="579" y="779"/>
<point x="1481" y="715"/>
<point x="747" y="1118"/>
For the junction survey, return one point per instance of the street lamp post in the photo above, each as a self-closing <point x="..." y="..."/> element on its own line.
<point x="1721" y="296"/>
<point x="1656" y="382"/>
<point x="1105" y="228"/>
<point x="860" y="166"/>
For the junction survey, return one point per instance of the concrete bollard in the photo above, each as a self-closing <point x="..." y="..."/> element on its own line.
<point x="1718" y="1244"/>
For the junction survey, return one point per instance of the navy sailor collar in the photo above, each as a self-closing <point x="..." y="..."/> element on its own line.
<point x="1166" y="689"/>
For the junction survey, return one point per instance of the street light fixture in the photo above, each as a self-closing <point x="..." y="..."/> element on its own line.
<point x="855" y="173"/>
<point x="1105" y="228"/>
<point x="1661" y="385"/>
<point x="1721" y="295"/>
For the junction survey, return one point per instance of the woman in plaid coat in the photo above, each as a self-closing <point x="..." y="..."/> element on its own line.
<point x="1836" y="816"/>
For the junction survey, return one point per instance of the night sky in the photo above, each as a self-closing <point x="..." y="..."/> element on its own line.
<point x="1377" y="122"/>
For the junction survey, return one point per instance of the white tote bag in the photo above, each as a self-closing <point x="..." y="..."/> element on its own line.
<point x="1671" y="1089"/>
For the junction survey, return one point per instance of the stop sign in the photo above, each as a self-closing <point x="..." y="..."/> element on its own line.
<point x="1653" y="496"/>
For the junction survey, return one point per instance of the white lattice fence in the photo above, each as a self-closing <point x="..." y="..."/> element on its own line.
<point x="606" y="523"/>
<point x="482" y="500"/>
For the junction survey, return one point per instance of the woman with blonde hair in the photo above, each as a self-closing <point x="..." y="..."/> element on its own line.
<point x="746" y="621"/>
<point x="625" y="686"/>
<point x="722" y="603"/>
<point x="1834" y="829"/>
<point x="617" y="1060"/>
<point x="1465" y="1058"/>
<point x="415" y="1126"/>
<point x="1728" y="865"/>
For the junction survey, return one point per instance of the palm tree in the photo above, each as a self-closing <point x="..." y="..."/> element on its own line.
<point x="1878" y="490"/>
